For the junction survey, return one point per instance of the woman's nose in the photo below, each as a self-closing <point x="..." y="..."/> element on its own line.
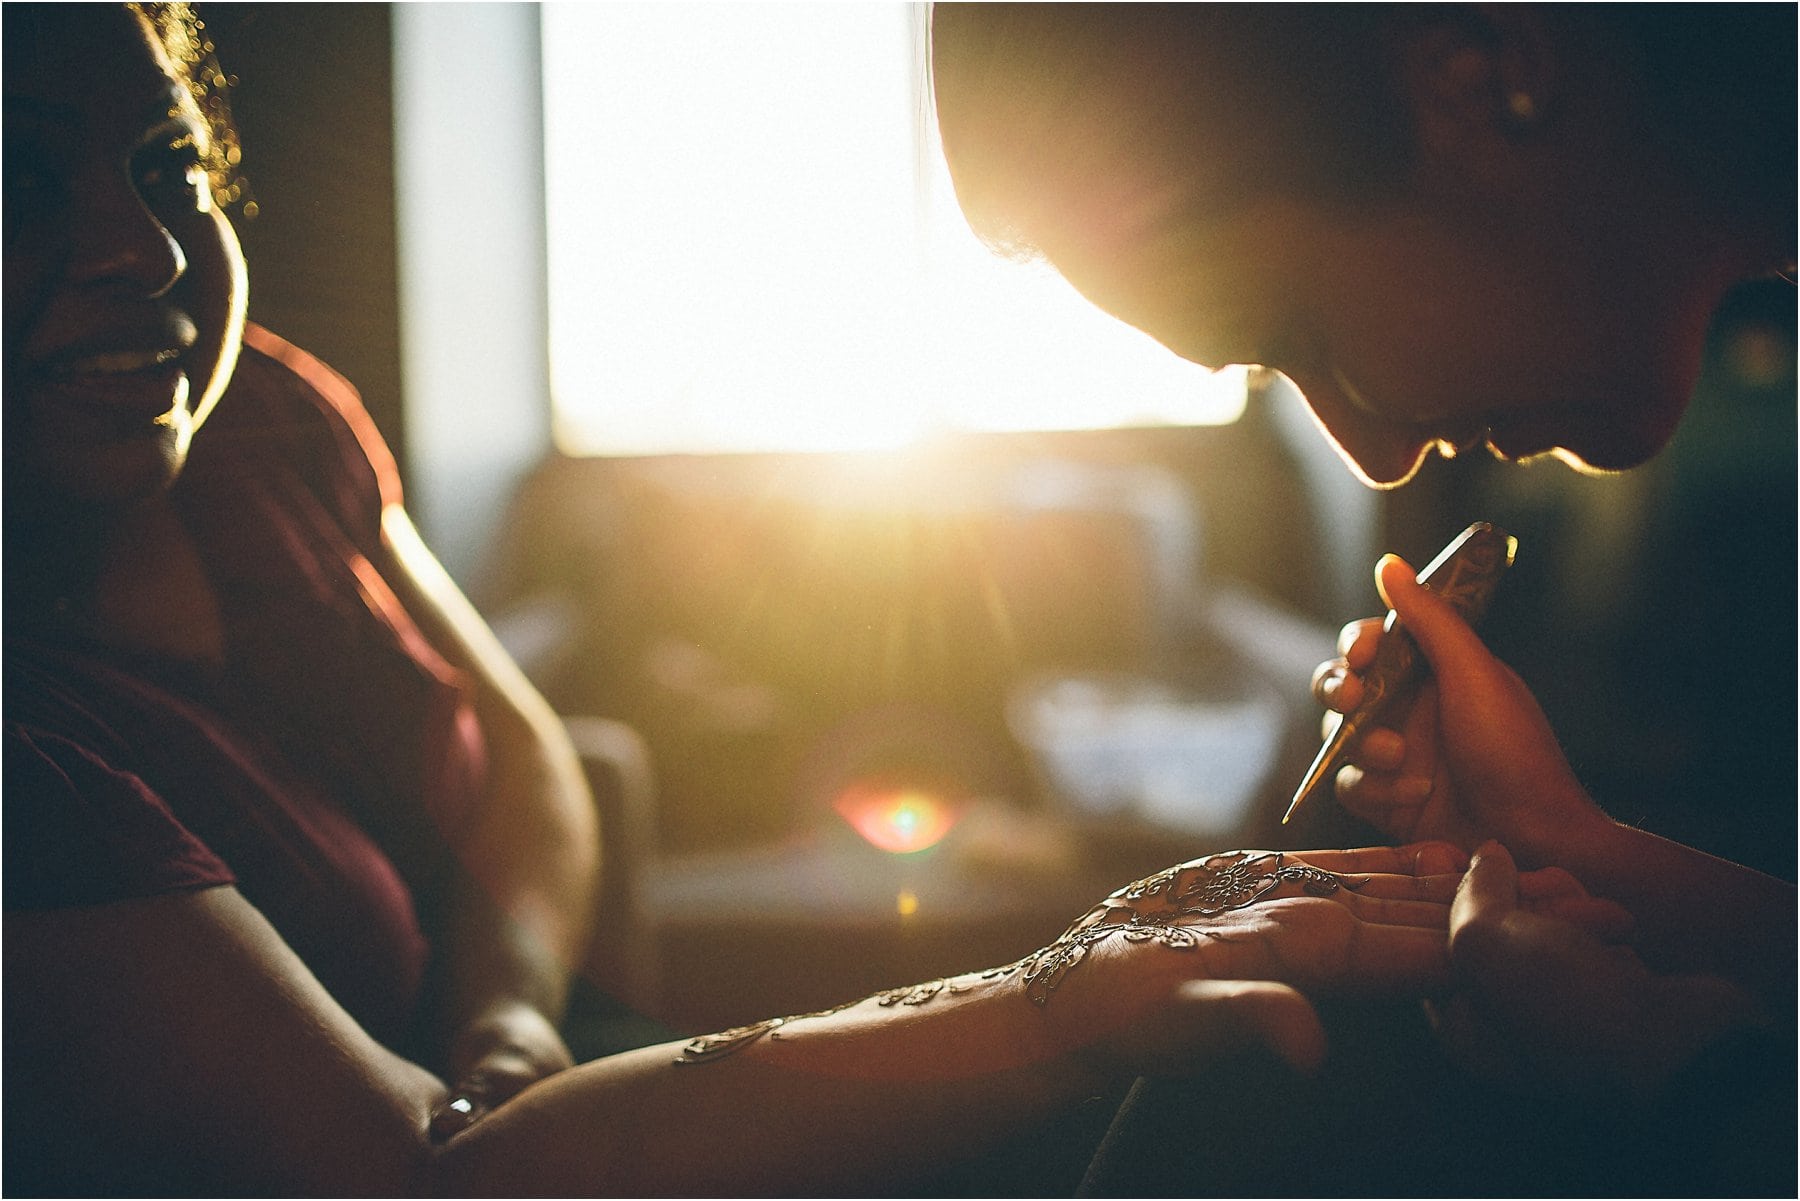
<point x="118" y="241"/>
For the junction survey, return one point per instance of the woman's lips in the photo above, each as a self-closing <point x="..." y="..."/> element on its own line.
<point x="120" y="362"/>
<point x="116" y="392"/>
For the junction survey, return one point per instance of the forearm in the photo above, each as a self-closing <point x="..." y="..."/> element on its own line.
<point x="1694" y="911"/>
<point x="1163" y="975"/>
<point x="530" y="870"/>
<point x="520" y="920"/>
<point x="864" y="1098"/>
<point x="530" y="859"/>
<point x="519" y="925"/>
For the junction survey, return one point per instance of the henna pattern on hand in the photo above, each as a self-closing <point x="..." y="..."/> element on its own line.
<point x="1201" y="888"/>
<point x="1149" y="910"/>
<point x="717" y="1046"/>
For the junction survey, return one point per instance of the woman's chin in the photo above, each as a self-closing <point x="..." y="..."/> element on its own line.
<point x="114" y="475"/>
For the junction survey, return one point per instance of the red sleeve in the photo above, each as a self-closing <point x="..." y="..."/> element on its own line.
<point x="79" y="832"/>
<point x="353" y="430"/>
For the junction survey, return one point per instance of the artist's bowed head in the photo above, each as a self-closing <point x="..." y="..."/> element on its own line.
<point x="1451" y="227"/>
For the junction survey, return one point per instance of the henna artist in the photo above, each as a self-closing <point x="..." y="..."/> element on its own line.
<point x="1456" y="229"/>
<point x="295" y="861"/>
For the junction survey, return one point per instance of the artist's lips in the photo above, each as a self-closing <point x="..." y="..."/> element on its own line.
<point x="1452" y="443"/>
<point x="1527" y="436"/>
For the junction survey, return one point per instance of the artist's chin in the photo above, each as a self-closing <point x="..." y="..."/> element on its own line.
<point x="1609" y="460"/>
<point x="1589" y="446"/>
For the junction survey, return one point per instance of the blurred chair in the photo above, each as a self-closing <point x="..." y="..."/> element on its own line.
<point x="622" y="958"/>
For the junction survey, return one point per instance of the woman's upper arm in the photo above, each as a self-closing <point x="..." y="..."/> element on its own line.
<point x="179" y="1034"/>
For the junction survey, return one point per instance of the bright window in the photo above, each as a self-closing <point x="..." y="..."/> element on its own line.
<point x="753" y="246"/>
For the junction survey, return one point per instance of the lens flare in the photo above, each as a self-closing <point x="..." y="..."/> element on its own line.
<point x="898" y="820"/>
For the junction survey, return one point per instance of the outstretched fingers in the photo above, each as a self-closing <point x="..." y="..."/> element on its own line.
<point x="1413" y="859"/>
<point x="1394" y="960"/>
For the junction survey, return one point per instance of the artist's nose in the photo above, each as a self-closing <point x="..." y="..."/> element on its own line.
<point x="118" y="242"/>
<point x="1382" y="454"/>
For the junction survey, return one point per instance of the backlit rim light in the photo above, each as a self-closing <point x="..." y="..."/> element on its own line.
<point x="752" y="253"/>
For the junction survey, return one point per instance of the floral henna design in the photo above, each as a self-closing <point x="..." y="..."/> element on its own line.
<point x="1201" y="888"/>
<point x="1212" y="887"/>
<point x="918" y="994"/>
<point x="717" y="1046"/>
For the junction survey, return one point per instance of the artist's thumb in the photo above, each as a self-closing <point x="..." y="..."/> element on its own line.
<point x="1451" y="647"/>
<point x="1243" y="1015"/>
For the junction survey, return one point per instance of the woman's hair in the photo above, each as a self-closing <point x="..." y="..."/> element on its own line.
<point x="1720" y="87"/>
<point x="1041" y="104"/>
<point x="1046" y="107"/>
<point x="191" y="52"/>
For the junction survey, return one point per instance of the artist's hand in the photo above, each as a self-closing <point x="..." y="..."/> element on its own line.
<point x="1473" y="759"/>
<point x="1220" y="952"/>
<point x="506" y="1047"/>
<point x="1547" y="1005"/>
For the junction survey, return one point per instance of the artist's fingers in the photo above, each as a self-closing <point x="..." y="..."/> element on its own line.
<point x="1336" y="683"/>
<point x="1357" y="642"/>
<point x="1449" y="644"/>
<point x="1608" y="921"/>
<point x="1555" y="892"/>
<point x="1380" y="797"/>
<point x="1429" y="908"/>
<point x="1381" y="749"/>
<point x="1548" y="882"/>
<point x="1335" y="688"/>
<point x="1386" y="959"/>
<point x="1489" y="892"/>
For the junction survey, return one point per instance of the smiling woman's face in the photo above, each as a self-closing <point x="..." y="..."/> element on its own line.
<point x="124" y="282"/>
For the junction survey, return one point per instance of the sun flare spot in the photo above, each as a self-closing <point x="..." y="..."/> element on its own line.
<point x="898" y="820"/>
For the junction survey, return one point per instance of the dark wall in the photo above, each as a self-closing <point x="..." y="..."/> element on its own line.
<point x="314" y="108"/>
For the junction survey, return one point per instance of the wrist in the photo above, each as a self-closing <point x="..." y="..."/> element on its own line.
<point x="1570" y="831"/>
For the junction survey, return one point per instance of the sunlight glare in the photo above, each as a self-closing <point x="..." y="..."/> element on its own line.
<point x="745" y="256"/>
<point x="898" y="820"/>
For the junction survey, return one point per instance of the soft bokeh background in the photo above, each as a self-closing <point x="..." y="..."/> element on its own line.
<point x="1073" y="655"/>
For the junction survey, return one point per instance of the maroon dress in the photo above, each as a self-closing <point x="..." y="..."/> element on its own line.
<point x="326" y="772"/>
